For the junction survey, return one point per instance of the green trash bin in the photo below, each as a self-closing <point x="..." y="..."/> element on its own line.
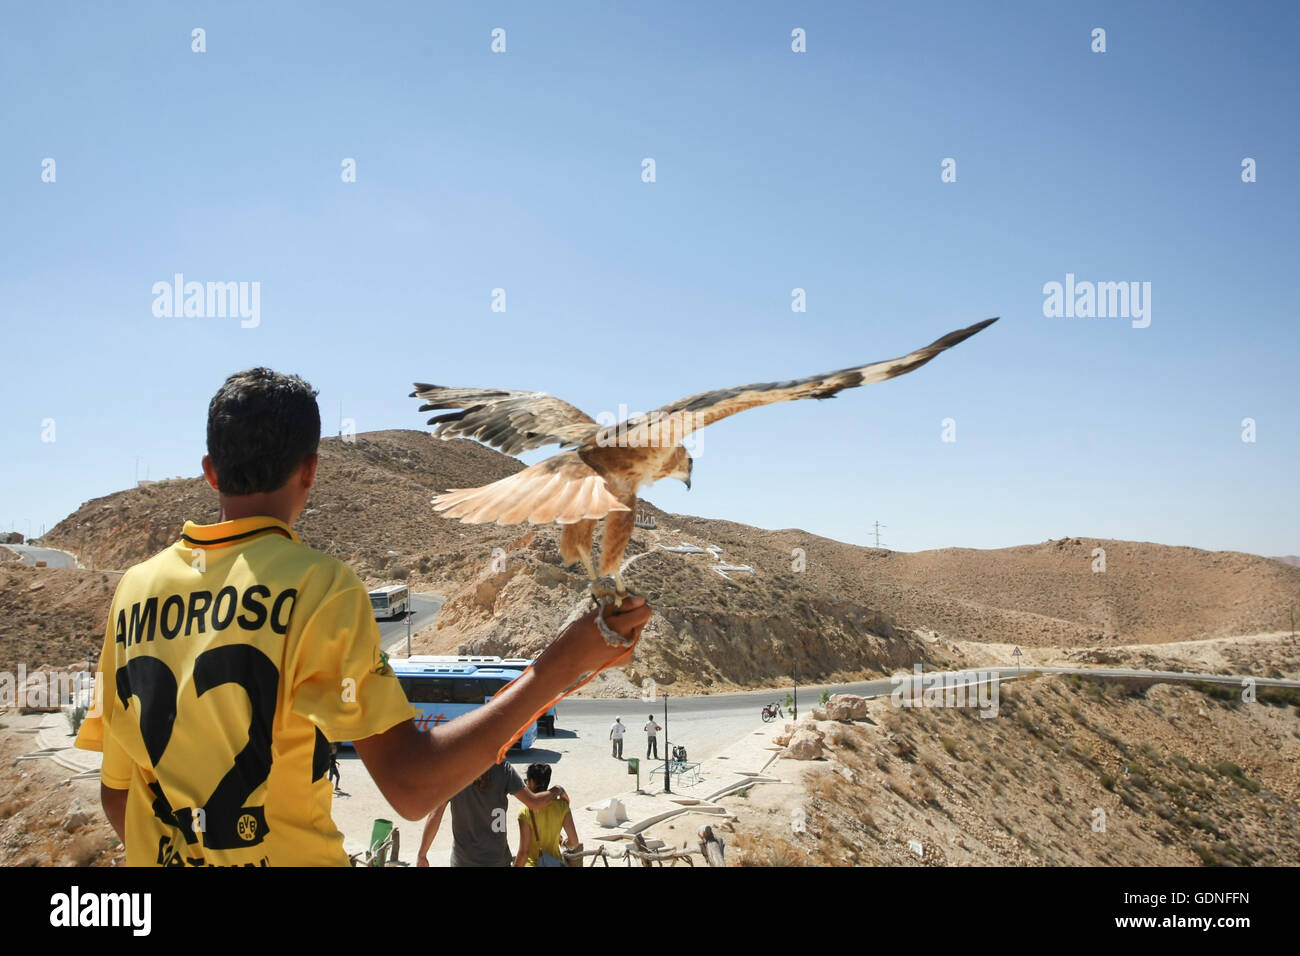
<point x="380" y="832"/>
<point x="634" y="766"/>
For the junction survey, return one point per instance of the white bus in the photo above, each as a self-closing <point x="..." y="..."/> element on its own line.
<point x="443" y="686"/>
<point x="390" y="601"/>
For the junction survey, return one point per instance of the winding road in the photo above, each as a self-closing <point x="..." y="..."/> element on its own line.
<point x="52" y="557"/>
<point x="392" y="634"/>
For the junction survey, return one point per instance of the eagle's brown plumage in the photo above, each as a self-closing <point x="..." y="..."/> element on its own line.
<point x="697" y="411"/>
<point x="604" y="469"/>
<point x="509" y="421"/>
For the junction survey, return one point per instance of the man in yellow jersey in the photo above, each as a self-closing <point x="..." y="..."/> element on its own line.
<point x="233" y="658"/>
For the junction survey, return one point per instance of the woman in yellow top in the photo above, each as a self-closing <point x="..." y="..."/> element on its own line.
<point x="539" y="830"/>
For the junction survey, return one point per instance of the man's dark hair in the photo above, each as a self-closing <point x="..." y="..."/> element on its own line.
<point x="540" y="774"/>
<point x="262" y="425"/>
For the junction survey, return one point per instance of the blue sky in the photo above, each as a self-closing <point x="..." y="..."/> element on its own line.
<point x="775" y="170"/>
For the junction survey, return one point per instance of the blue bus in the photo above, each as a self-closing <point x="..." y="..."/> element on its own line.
<point x="443" y="687"/>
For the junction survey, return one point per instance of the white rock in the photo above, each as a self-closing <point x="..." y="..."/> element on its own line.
<point x="611" y="812"/>
<point x="846" y="707"/>
<point x="806" y="745"/>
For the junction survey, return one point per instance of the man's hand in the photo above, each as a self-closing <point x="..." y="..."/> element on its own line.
<point x="582" y="648"/>
<point x="542" y="800"/>
<point x="423" y="861"/>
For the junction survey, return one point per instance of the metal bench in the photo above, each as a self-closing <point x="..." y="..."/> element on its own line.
<point x="681" y="769"/>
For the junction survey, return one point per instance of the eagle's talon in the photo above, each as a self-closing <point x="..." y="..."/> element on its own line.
<point x="612" y="637"/>
<point x="602" y="592"/>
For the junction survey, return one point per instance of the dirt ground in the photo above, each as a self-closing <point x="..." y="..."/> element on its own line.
<point x="44" y="819"/>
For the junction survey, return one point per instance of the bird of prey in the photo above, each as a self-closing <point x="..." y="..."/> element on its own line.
<point x="601" y="470"/>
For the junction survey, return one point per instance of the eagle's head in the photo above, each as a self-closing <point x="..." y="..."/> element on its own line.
<point x="680" y="466"/>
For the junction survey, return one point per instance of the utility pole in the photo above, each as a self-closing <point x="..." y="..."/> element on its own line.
<point x="878" y="526"/>
<point x="668" y="767"/>
<point x="794" y="673"/>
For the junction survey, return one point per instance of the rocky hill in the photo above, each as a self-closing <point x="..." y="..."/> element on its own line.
<point x="832" y="609"/>
<point x="53" y="618"/>
<point x="370" y="507"/>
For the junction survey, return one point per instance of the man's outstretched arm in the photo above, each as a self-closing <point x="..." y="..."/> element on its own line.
<point x="418" y="770"/>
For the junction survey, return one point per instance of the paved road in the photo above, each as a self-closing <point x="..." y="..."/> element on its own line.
<point x="722" y="705"/>
<point x="392" y="634"/>
<point x="52" y="558"/>
<point x="1159" y="675"/>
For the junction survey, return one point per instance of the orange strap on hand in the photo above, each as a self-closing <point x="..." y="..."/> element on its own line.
<point x="621" y="655"/>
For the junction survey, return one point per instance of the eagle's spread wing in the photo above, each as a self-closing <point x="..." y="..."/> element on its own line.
<point x="508" y="420"/>
<point x="672" y="422"/>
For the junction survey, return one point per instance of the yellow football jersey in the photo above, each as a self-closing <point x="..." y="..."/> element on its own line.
<point x="230" y="661"/>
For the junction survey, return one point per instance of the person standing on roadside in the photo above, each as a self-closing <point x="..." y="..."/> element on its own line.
<point x="616" y="737"/>
<point x="651" y="738"/>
